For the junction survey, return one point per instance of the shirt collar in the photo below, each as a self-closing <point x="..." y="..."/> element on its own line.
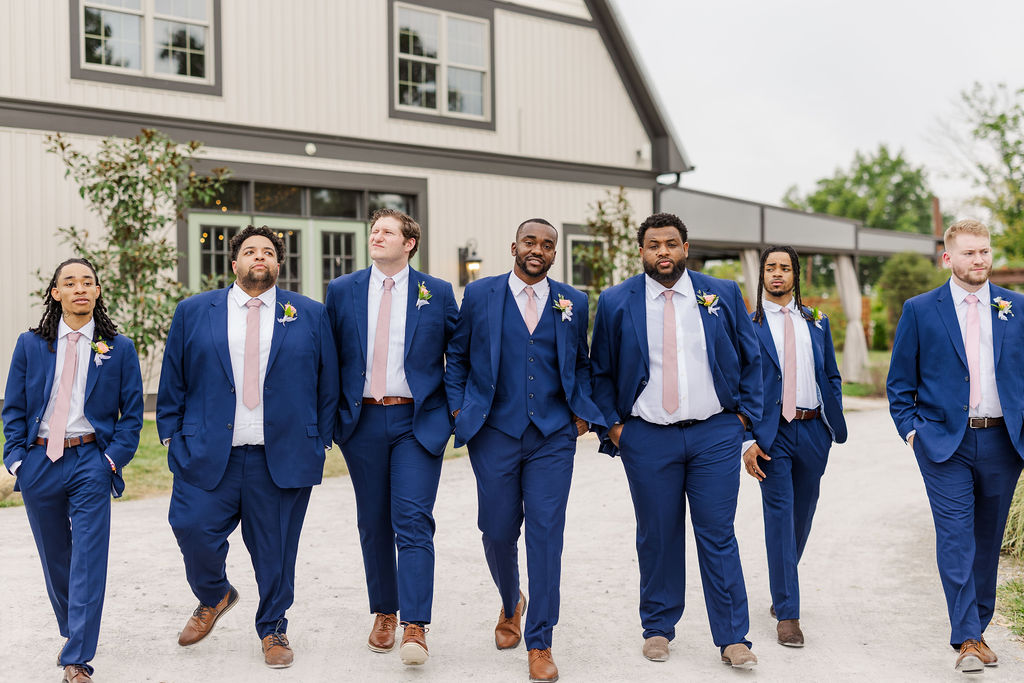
<point x="240" y="298"/>
<point x="959" y="293"/>
<point x="377" y="276"/>
<point x="517" y="286"/>
<point x="683" y="286"/>
<point x="772" y="307"/>
<point x="87" y="329"/>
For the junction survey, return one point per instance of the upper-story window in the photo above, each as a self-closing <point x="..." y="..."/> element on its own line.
<point x="442" y="65"/>
<point x="170" y="44"/>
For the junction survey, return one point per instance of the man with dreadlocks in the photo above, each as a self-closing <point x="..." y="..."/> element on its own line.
<point x="72" y="417"/>
<point x="803" y="415"/>
<point x="246" y="405"/>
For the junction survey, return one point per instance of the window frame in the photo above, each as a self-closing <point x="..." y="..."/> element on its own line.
<point x="146" y="76"/>
<point x="466" y="10"/>
<point x="574" y="234"/>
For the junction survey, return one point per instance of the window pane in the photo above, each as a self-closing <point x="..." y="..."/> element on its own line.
<point x="232" y="198"/>
<point x="113" y="39"/>
<point x="291" y="268"/>
<point x="334" y="203"/>
<point x="465" y="91"/>
<point x="197" y="64"/>
<point x="582" y="275"/>
<point x="338" y="257"/>
<point x="196" y="38"/>
<point x="274" y="198"/>
<point x="387" y="200"/>
<point x="417" y="32"/>
<point x="466" y="41"/>
<point x="197" y="9"/>
<point x="215" y="255"/>
<point x="92" y="22"/>
<point x="186" y="9"/>
<point x="417" y="84"/>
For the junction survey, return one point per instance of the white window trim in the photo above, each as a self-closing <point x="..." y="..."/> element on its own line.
<point x="442" y="64"/>
<point x="149" y="15"/>
<point x="573" y="240"/>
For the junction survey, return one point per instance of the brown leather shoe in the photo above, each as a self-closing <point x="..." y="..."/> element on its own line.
<point x="74" y="673"/>
<point x="790" y="634"/>
<point x="507" y="633"/>
<point x="739" y="656"/>
<point x="542" y="666"/>
<point x="414" y="645"/>
<point x="204" y="618"/>
<point x="382" y="636"/>
<point x="276" y="652"/>
<point x="970" y="659"/>
<point x="988" y="658"/>
<point x="656" y="648"/>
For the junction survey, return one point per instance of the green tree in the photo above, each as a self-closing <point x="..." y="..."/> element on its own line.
<point x="138" y="187"/>
<point x="993" y="158"/>
<point x="904" y="276"/>
<point x="610" y="256"/>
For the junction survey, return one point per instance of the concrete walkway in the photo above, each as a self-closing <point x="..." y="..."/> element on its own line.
<point x="872" y="604"/>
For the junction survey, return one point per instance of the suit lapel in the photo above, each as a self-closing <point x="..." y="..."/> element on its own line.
<point x="817" y="346"/>
<point x="412" y="313"/>
<point x="637" y="308"/>
<point x="360" y="293"/>
<point x="280" y="331"/>
<point x="495" y="311"/>
<point x="93" y="372"/>
<point x="50" y="366"/>
<point x="710" y="320"/>
<point x="219" y="331"/>
<point x="998" y="326"/>
<point x="560" y="325"/>
<point x="947" y="313"/>
<point x="764" y="333"/>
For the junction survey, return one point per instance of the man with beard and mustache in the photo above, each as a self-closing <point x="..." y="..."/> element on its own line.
<point x="518" y="382"/>
<point x="247" y="401"/>
<point x="956" y="394"/>
<point x="796" y="431"/>
<point x="677" y="374"/>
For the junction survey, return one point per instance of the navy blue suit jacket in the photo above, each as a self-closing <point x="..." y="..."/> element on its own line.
<point x="113" y="400"/>
<point x="929" y="384"/>
<point x="475" y="350"/>
<point x="196" y="399"/>
<point x="427" y="331"/>
<point x="621" y="362"/>
<point x="826" y="376"/>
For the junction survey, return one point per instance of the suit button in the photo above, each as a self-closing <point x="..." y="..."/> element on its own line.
<point x="531" y="395"/>
<point x="531" y="341"/>
<point x="363" y="373"/>
<point x="37" y="419"/>
<point x="492" y="386"/>
<point x="967" y="379"/>
<point x="232" y="390"/>
<point x="531" y="359"/>
<point x="778" y="376"/>
<point x="777" y="402"/>
<point x="230" y="426"/>
<point x="965" y="408"/>
<point x="531" y="412"/>
<point x="356" y="403"/>
<point x="485" y="414"/>
<point x="643" y="382"/>
<point x="531" y="378"/>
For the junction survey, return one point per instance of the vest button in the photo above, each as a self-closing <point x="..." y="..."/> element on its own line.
<point x="531" y="341"/>
<point x="531" y="412"/>
<point x="531" y="395"/>
<point x="531" y="359"/>
<point x="531" y="378"/>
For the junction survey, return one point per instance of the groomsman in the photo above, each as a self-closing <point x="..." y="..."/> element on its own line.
<point x="392" y="324"/>
<point x="677" y="375"/>
<point x="956" y="394"/>
<point x="72" y="417"/>
<point x="247" y="400"/>
<point x="803" y="415"/>
<point x="518" y="383"/>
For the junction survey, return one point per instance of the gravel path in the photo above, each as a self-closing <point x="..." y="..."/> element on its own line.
<point x="872" y="604"/>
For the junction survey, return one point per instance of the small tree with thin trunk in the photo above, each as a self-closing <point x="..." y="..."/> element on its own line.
<point x="138" y="187"/>
<point x="610" y="256"/>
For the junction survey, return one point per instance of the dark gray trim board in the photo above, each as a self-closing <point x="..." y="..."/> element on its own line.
<point x="474" y="8"/>
<point x="50" y="116"/>
<point x="81" y="72"/>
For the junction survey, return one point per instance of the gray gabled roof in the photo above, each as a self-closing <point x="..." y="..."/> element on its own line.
<point x="667" y="155"/>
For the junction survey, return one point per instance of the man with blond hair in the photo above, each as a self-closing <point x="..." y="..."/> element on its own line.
<point x="956" y="394"/>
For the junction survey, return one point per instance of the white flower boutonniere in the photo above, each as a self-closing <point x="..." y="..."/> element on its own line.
<point x="818" y="315"/>
<point x="708" y="301"/>
<point x="1003" y="307"/>
<point x="288" y="313"/>
<point x="564" y="306"/>
<point x="101" y="349"/>
<point x="423" y="295"/>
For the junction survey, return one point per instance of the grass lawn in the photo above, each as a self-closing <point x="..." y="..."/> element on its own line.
<point x="1010" y="603"/>
<point x="147" y="474"/>
<point x="878" y="368"/>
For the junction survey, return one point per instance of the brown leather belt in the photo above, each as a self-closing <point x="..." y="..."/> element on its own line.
<point x="387" y="401"/>
<point x="69" y="443"/>
<point x="985" y="422"/>
<point x="807" y="414"/>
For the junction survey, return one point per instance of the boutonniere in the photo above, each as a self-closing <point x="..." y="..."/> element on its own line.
<point x="563" y="306"/>
<point x="423" y="295"/>
<point x="101" y="349"/>
<point x="817" y="315"/>
<point x="288" y="313"/>
<point x="708" y="301"/>
<point x="1003" y="307"/>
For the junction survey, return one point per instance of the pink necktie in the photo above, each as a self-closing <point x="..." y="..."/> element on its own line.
<point x="788" y="368"/>
<point x="251" y="365"/>
<point x="379" y="371"/>
<point x="530" y="315"/>
<point x="973" y="343"/>
<point x="59" y="420"/>
<point x="669" y="357"/>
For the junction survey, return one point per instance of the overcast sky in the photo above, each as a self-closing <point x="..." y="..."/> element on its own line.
<point x="764" y="94"/>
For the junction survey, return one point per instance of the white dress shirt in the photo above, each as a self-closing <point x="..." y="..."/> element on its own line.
<point x="697" y="397"/>
<point x="248" y="429"/>
<point x="77" y="424"/>
<point x="989" y="406"/>
<point x="541" y="290"/>
<point x="395" y="383"/>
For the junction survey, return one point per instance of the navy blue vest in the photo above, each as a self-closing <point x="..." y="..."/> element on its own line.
<point x="529" y="386"/>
